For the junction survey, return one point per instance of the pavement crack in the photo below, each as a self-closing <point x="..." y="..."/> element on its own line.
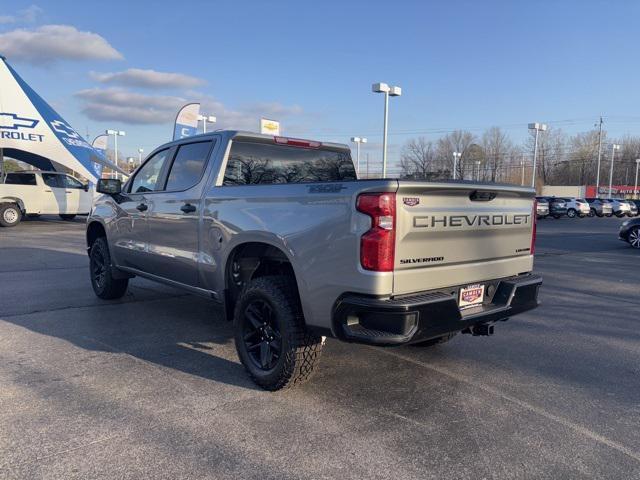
<point x="57" y="454"/>
<point x="523" y="404"/>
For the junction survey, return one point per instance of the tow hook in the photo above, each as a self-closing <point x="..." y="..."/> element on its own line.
<point x="483" y="329"/>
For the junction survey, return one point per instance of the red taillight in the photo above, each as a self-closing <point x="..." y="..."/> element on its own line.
<point x="377" y="245"/>
<point x="534" y="218"/>
<point x="297" y="142"/>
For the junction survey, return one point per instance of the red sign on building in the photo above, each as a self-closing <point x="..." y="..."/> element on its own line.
<point x="624" y="191"/>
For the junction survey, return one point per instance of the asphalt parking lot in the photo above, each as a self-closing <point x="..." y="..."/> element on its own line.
<point x="150" y="386"/>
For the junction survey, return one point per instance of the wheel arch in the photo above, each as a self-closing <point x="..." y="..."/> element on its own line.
<point x="253" y="259"/>
<point x="16" y="200"/>
<point x="95" y="230"/>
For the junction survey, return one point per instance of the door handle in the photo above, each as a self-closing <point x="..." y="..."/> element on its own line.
<point x="188" y="208"/>
<point x="48" y="191"/>
<point x="142" y="207"/>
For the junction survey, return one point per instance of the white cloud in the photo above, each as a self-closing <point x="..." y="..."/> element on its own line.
<point x="28" y="15"/>
<point x="49" y="43"/>
<point x="136" y="77"/>
<point x="117" y="104"/>
<point x="125" y="106"/>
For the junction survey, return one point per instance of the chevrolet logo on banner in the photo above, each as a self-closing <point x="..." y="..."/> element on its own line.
<point x="11" y="121"/>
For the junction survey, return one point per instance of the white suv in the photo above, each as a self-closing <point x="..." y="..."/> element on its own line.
<point x="577" y="207"/>
<point x="34" y="193"/>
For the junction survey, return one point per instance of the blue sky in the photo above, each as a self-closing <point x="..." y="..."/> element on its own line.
<point x="311" y="65"/>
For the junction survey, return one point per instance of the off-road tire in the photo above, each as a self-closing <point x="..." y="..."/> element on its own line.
<point x="435" y="341"/>
<point x="103" y="282"/>
<point x="10" y="214"/>
<point x="67" y="216"/>
<point x="300" y="349"/>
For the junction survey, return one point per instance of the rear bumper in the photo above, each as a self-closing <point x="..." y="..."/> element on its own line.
<point x="422" y="316"/>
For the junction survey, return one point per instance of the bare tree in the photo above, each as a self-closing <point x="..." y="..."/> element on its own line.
<point x="456" y="141"/>
<point x="552" y="146"/>
<point x="417" y="159"/>
<point x="498" y="149"/>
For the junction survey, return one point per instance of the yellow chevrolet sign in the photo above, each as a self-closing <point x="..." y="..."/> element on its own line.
<point x="269" y="127"/>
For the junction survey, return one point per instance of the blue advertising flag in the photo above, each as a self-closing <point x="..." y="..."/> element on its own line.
<point x="186" y="124"/>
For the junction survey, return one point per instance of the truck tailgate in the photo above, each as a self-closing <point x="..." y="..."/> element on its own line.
<point x="460" y="233"/>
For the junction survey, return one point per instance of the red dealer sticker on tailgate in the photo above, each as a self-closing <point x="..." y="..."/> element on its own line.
<point x="471" y="295"/>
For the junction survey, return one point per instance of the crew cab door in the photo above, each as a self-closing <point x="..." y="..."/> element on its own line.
<point x="78" y="195"/>
<point x="130" y="238"/>
<point x="72" y="190"/>
<point x="174" y="215"/>
<point x="53" y="195"/>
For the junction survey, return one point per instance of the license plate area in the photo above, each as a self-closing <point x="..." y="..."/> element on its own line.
<point x="471" y="296"/>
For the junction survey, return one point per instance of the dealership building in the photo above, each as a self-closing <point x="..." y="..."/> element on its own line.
<point x="590" y="191"/>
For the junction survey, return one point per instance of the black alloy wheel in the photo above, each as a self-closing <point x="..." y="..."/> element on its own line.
<point x="261" y="336"/>
<point x="98" y="266"/>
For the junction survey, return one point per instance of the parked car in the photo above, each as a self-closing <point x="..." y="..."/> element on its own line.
<point x="635" y="203"/>
<point x="34" y="193"/>
<point x="577" y="207"/>
<point x="620" y="207"/>
<point x="293" y="248"/>
<point x="557" y="206"/>
<point x="600" y="208"/>
<point x="542" y="208"/>
<point x="630" y="232"/>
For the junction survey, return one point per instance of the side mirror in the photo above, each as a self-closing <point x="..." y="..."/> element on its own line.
<point x="85" y="187"/>
<point x="109" y="186"/>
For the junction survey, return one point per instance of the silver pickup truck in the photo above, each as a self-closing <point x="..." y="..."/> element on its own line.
<point x="293" y="248"/>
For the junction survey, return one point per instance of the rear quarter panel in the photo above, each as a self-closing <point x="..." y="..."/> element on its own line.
<point x="314" y="224"/>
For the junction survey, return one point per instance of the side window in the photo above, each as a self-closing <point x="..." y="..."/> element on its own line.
<point x="147" y="177"/>
<point x="71" y="182"/>
<point x="20" y="179"/>
<point x="52" y="180"/>
<point x="188" y="165"/>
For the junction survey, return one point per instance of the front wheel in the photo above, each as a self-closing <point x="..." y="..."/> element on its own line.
<point x="271" y="339"/>
<point x="67" y="216"/>
<point x="103" y="282"/>
<point x="10" y="215"/>
<point x="634" y="237"/>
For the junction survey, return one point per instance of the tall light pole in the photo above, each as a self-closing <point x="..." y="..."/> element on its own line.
<point x="599" y="156"/>
<point x="456" y="158"/>
<point x="478" y="170"/>
<point x="522" y="165"/>
<point x="116" y="134"/>
<point x="635" y="187"/>
<point x="614" y="147"/>
<point x="140" y="152"/>
<point x="538" y="127"/>
<point x="388" y="92"/>
<point x="204" y="119"/>
<point x="358" y="141"/>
